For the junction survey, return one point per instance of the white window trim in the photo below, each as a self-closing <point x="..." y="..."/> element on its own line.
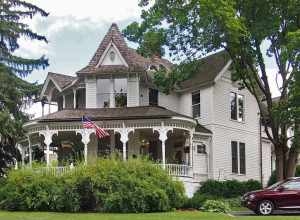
<point x="197" y="91"/>
<point x="239" y="159"/>
<point x="237" y="110"/>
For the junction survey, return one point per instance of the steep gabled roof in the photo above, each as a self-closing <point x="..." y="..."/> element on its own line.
<point x="209" y="69"/>
<point x="61" y="80"/>
<point x="135" y="61"/>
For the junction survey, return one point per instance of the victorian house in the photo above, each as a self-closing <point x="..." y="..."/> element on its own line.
<point x="206" y="129"/>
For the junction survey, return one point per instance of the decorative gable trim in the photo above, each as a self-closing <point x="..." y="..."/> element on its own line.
<point x="49" y="78"/>
<point x="105" y="53"/>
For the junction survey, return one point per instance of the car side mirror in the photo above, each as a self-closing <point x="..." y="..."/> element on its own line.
<point x="280" y="188"/>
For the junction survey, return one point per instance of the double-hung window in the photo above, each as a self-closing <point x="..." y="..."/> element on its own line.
<point x="196" y="104"/>
<point x="237" y="107"/>
<point x="153" y="97"/>
<point x="238" y="157"/>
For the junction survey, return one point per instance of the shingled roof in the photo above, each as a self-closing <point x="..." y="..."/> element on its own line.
<point x="61" y="80"/>
<point x="209" y="69"/>
<point x="140" y="112"/>
<point x="135" y="61"/>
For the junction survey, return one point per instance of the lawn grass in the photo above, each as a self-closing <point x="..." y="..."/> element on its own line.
<point x="185" y="215"/>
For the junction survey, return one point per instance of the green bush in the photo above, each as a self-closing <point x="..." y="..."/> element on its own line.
<point x="216" y="206"/>
<point x="107" y="186"/>
<point x="228" y="188"/>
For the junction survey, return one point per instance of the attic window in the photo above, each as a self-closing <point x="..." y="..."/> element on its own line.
<point x="112" y="55"/>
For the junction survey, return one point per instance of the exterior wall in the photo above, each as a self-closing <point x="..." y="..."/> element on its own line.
<point x="170" y="101"/>
<point x="266" y="160"/>
<point x="133" y="92"/>
<point x="91" y="92"/>
<point x="226" y="130"/>
<point x="206" y="105"/>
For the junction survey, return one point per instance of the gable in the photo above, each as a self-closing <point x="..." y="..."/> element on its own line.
<point x="112" y="56"/>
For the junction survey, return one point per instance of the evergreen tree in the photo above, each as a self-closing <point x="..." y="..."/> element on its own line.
<point x="15" y="92"/>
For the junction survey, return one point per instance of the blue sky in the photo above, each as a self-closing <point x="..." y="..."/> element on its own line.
<point x="74" y="30"/>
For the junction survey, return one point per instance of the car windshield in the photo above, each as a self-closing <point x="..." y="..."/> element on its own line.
<point x="276" y="184"/>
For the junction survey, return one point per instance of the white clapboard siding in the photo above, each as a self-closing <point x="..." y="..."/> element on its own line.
<point x="133" y="92"/>
<point x="91" y="92"/>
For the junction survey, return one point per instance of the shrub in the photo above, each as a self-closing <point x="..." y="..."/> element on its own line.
<point x="228" y="189"/>
<point x="216" y="206"/>
<point x="108" y="186"/>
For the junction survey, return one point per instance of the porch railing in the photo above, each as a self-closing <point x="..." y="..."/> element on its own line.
<point x="54" y="171"/>
<point x="179" y="170"/>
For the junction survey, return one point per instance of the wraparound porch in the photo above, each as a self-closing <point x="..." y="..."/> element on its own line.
<point x="167" y="142"/>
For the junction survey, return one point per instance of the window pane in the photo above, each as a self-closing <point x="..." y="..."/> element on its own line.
<point x="195" y="98"/>
<point x="242" y="158"/>
<point x="234" y="156"/>
<point x="241" y="108"/>
<point x="233" y="106"/>
<point x="153" y="97"/>
<point x="120" y="85"/>
<point x="120" y="100"/>
<point x="201" y="149"/>
<point x="196" y="111"/>
<point x="103" y="100"/>
<point x="103" y="86"/>
<point x="292" y="185"/>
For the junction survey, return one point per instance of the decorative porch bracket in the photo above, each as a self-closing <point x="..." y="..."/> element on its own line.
<point x="48" y="134"/>
<point x="163" y="136"/>
<point x="85" y="134"/>
<point x="124" y="132"/>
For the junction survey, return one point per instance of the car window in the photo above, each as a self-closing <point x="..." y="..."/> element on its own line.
<point x="276" y="184"/>
<point x="292" y="185"/>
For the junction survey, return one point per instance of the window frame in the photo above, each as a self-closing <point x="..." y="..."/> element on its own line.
<point x="203" y="151"/>
<point x="241" y="165"/>
<point x="196" y="104"/>
<point x="237" y="107"/>
<point x="152" y="91"/>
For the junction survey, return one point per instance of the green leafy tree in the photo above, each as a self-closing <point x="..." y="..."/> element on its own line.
<point x="248" y="30"/>
<point x="15" y="92"/>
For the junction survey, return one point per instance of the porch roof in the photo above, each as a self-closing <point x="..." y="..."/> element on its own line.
<point x="126" y="113"/>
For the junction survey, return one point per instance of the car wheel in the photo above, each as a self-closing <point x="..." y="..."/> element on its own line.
<point x="265" y="207"/>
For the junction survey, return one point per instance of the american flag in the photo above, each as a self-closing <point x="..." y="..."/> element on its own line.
<point x="88" y="124"/>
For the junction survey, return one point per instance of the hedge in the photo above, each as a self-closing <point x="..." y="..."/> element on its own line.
<point x="108" y="186"/>
<point x="228" y="191"/>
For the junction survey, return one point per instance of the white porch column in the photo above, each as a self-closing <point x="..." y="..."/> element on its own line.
<point x="85" y="134"/>
<point x="48" y="140"/>
<point x="163" y="136"/>
<point x="191" y="148"/>
<point x="124" y="138"/>
<point x="74" y="98"/>
<point x="29" y="150"/>
<point x="64" y="101"/>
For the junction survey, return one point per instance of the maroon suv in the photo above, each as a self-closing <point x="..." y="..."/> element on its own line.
<point x="284" y="195"/>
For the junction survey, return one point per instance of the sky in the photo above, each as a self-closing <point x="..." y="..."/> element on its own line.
<point x="74" y="30"/>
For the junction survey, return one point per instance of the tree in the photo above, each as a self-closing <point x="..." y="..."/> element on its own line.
<point x="15" y="92"/>
<point x="12" y="28"/>
<point x="249" y="31"/>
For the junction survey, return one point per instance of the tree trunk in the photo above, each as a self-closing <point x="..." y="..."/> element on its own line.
<point x="291" y="162"/>
<point x="280" y="164"/>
